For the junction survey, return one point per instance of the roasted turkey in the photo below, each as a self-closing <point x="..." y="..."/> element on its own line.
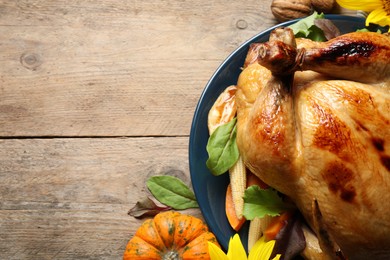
<point x="313" y="122"/>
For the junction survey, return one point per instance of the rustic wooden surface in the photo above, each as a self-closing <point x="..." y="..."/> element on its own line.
<point x="95" y="97"/>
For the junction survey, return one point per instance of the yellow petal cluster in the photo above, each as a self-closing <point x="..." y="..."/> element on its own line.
<point x="379" y="10"/>
<point x="262" y="250"/>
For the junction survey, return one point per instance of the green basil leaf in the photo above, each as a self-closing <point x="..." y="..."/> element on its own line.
<point x="222" y="148"/>
<point x="171" y="191"/>
<point x="260" y="202"/>
<point x="306" y="28"/>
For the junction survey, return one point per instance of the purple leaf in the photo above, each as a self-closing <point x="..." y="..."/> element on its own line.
<point x="328" y="27"/>
<point x="146" y="207"/>
<point x="290" y="241"/>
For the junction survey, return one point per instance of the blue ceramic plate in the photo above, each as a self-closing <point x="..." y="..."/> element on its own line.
<point x="210" y="190"/>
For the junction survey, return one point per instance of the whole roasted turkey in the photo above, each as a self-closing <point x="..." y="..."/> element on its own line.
<point x="313" y="122"/>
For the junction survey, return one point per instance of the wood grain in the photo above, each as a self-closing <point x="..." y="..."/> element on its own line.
<point x="114" y="68"/>
<point x="69" y="198"/>
<point x="96" y="97"/>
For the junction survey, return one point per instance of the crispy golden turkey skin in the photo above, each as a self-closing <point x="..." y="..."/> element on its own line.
<point x="313" y="121"/>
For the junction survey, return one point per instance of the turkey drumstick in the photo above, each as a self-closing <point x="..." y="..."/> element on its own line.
<point x="359" y="56"/>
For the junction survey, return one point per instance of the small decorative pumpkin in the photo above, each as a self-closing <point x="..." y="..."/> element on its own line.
<point x="168" y="236"/>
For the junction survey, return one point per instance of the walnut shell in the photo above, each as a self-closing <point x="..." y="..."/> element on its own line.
<point x="285" y="10"/>
<point x="323" y="6"/>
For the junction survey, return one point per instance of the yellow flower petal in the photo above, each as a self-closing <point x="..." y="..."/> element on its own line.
<point x="364" y="5"/>
<point x="216" y="253"/>
<point x="236" y="249"/>
<point x="277" y="257"/>
<point x="378" y="16"/>
<point x="262" y="250"/>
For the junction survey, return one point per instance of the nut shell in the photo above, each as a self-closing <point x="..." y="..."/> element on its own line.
<point x="285" y="10"/>
<point x="323" y="6"/>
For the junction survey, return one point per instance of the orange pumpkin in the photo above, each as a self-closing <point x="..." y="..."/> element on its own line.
<point x="170" y="235"/>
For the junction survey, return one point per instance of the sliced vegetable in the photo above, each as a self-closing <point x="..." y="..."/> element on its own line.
<point x="223" y="110"/>
<point x="237" y="175"/>
<point x="276" y="225"/>
<point x="254" y="180"/>
<point x="257" y="226"/>
<point x="235" y="222"/>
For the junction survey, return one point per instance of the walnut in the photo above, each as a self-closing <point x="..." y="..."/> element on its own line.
<point x="285" y="10"/>
<point x="323" y="6"/>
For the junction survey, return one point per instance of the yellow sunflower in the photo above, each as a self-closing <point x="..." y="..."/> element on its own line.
<point x="379" y="10"/>
<point x="262" y="250"/>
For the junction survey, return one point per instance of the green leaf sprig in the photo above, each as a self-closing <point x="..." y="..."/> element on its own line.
<point x="260" y="202"/>
<point x="306" y="28"/>
<point x="171" y="191"/>
<point x="222" y="148"/>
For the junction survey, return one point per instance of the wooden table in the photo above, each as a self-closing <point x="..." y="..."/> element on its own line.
<point x="96" y="97"/>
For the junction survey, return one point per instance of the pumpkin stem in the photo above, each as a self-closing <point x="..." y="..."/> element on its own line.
<point x="171" y="255"/>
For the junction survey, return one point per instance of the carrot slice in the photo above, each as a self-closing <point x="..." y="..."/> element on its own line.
<point x="252" y="179"/>
<point x="234" y="221"/>
<point x="276" y="225"/>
